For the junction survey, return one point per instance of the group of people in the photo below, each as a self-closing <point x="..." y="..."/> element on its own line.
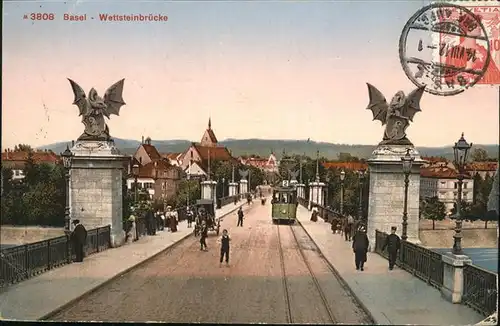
<point x="155" y="221"/>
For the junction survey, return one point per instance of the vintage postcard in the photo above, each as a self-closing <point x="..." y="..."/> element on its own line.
<point x="278" y="162"/>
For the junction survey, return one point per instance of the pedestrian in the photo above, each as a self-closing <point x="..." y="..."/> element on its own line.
<point x="349" y="223"/>
<point x="204" y="235"/>
<point x="360" y="245"/>
<point x="190" y="216"/>
<point x="162" y="218"/>
<point x="224" y="247"/>
<point x="240" y="217"/>
<point x="314" y="214"/>
<point x="173" y="221"/>
<point x="78" y="240"/>
<point x="168" y="217"/>
<point x="393" y="244"/>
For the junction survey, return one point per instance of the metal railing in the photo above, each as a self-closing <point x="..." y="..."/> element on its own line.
<point x="480" y="289"/>
<point x="327" y="214"/>
<point x="23" y="262"/>
<point x="221" y="202"/>
<point x="421" y="262"/>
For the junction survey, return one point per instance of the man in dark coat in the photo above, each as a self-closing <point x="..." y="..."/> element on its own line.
<point x="204" y="235"/>
<point x="360" y="245"/>
<point x="150" y="220"/>
<point x="224" y="248"/>
<point x="393" y="244"/>
<point x="240" y="217"/>
<point x="78" y="240"/>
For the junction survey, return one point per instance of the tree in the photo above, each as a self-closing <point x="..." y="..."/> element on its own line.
<point x="479" y="155"/>
<point x="482" y="189"/>
<point x="433" y="209"/>
<point x="187" y="189"/>
<point x="23" y="148"/>
<point x="466" y="211"/>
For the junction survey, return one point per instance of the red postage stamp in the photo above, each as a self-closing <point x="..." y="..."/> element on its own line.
<point x="488" y="14"/>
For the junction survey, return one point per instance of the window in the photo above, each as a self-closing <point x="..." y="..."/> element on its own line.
<point x="455" y="196"/>
<point x="455" y="185"/>
<point x="465" y="195"/>
<point x="443" y="183"/>
<point x="465" y="185"/>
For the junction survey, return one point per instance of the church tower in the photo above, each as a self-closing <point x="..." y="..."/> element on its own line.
<point x="209" y="139"/>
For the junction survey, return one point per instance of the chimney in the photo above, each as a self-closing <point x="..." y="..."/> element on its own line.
<point x="142" y="141"/>
<point x="72" y="143"/>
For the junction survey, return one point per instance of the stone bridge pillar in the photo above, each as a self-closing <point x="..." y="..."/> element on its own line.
<point x="96" y="187"/>
<point x="208" y="189"/>
<point x="301" y="191"/>
<point x="387" y="188"/>
<point x="233" y="189"/>
<point x="243" y="186"/>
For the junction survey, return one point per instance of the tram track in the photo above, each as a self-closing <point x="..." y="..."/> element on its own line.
<point x="319" y="288"/>
<point x="284" y="279"/>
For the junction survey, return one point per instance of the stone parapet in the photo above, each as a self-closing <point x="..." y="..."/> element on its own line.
<point x="453" y="276"/>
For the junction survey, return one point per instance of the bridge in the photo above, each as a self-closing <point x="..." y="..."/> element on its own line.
<point x="277" y="274"/>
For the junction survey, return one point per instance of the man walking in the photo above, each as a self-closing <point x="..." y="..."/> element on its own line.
<point x="393" y="244"/>
<point x="240" y="217"/>
<point x="224" y="248"/>
<point x="190" y="216"/>
<point x="78" y="239"/>
<point x="204" y="235"/>
<point x="360" y="245"/>
<point x="348" y="228"/>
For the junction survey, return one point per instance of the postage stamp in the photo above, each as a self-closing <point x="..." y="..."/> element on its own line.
<point x="463" y="58"/>
<point x="488" y="13"/>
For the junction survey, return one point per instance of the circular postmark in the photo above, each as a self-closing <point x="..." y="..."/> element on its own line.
<point x="445" y="48"/>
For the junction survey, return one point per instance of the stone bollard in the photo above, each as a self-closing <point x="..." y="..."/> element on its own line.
<point x="453" y="277"/>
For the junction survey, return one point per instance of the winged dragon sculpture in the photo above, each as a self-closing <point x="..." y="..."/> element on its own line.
<point x="93" y="109"/>
<point x="396" y="115"/>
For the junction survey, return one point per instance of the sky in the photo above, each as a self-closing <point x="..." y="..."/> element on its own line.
<point x="259" y="69"/>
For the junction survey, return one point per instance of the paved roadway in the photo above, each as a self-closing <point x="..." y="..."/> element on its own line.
<point x="188" y="285"/>
<point x="486" y="258"/>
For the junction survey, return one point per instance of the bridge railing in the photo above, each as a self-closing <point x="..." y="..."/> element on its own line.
<point x="327" y="214"/>
<point x="480" y="289"/>
<point x="227" y="200"/>
<point x="421" y="262"/>
<point x="23" y="262"/>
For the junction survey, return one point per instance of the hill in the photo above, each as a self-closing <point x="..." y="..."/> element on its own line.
<point x="264" y="147"/>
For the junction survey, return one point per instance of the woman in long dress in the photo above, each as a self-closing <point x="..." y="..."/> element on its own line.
<point x="173" y="222"/>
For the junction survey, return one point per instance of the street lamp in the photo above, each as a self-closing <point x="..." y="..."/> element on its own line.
<point x="407" y="163"/>
<point x="342" y="178"/>
<point x="327" y="179"/>
<point x="67" y="157"/>
<point x="361" y="174"/>
<point x="460" y="150"/>
<point x="223" y="187"/>
<point x="135" y="172"/>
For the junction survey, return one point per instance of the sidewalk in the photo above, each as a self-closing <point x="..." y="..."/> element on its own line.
<point x="392" y="297"/>
<point x="35" y="298"/>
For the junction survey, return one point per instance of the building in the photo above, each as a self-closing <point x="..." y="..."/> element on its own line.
<point x="268" y="165"/>
<point x="440" y="180"/>
<point x="483" y="169"/>
<point x="195" y="160"/>
<point x="352" y="166"/>
<point x="173" y="158"/>
<point x="156" y="175"/>
<point x="16" y="160"/>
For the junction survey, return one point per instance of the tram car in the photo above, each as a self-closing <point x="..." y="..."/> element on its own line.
<point x="284" y="204"/>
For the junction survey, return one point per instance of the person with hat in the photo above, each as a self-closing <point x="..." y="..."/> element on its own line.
<point x="78" y="239"/>
<point x="360" y="246"/>
<point x="204" y="235"/>
<point x="240" y="217"/>
<point x="393" y="244"/>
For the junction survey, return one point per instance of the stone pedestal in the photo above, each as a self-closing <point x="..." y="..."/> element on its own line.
<point x="386" y="201"/>
<point x="301" y="190"/>
<point x="316" y="193"/>
<point x="96" y="187"/>
<point x="453" y="276"/>
<point x="208" y="189"/>
<point x="233" y="188"/>
<point x="243" y="186"/>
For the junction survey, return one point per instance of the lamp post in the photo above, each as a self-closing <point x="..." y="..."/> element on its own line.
<point x="135" y="172"/>
<point x="317" y="177"/>
<point x="223" y="187"/>
<point x="407" y="163"/>
<point x="67" y="157"/>
<point x="342" y="178"/>
<point x="327" y="201"/>
<point x="361" y="174"/>
<point x="460" y="151"/>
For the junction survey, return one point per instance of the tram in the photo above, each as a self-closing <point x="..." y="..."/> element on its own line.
<point x="284" y="204"/>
